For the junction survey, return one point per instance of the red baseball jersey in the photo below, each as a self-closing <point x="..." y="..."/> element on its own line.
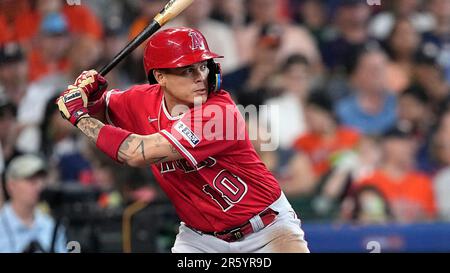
<point x="221" y="182"/>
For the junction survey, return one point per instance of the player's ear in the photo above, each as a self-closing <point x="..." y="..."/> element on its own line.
<point x="160" y="77"/>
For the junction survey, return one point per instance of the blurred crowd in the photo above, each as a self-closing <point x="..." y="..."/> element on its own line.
<point x="363" y="92"/>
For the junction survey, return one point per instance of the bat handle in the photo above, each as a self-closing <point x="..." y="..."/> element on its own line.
<point x="147" y="32"/>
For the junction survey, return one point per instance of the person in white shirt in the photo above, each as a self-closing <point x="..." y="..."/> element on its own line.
<point x="23" y="227"/>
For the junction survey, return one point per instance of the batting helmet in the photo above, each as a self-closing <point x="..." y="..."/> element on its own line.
<point x="179" y="47"/>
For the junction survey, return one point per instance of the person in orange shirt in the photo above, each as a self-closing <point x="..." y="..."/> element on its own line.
<point x="14" y="26"/>
<point x="20" y="22"/>
<point x="325" y="138"/>
<point x="82" y="21"/>
<point x="50" y="56"/>
<point x="408" y="191"/>
<point x="319" y="149"/>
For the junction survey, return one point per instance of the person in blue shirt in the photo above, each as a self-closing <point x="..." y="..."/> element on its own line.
<point x="23" y="227"/>
<point x="370" y="107"/>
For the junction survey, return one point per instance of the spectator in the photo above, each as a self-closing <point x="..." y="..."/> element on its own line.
<point x="295" y="81"/>
<point x="220" y="36"/>
<point x="253" y="83"/>
<point x="7" y="151"/>
<point x="32" y="107"/>
<point x="431" y="76"/>
<point x="367" y="205"/>
<point x="319" y="148"/>
<point x="415" y="116"/>
<point x="82" y="21"/>
<point x="413" y="112"/>
<point x="402" y="46"/>
<point x="231" y="12"/>
<point x="24" y="228"/>
<point x="383" y="23"/>
<point x="350" y="21"/>
<point x="348" y="167"/>
<point x="13" y="72"/>
<point x="13" y="84"/>
<point x="134" y="64"/>
<point x="370" y="108"/>
<point x="50" y="56"/>
<point x="115" y="39"/>
<point x="8" y="125"/>
<point x="90" y="49"/>
<point x="409" y="192"/>
<point x="63" y="147"/>
<point x="15" y="22"/>
<point x="294" y="39"/>
<point x="441" y="152"/>
<point x="312" y="14"/>
<point x="265" y="144"/>
<point x="438" y="37"/>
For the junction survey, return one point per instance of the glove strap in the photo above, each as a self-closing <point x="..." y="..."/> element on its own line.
<point x="109" y="140"/>
<point x="75" y="117"/>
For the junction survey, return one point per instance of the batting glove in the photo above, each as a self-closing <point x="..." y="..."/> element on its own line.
<point x="73" y="105"/>
<point x="92" y="83"/>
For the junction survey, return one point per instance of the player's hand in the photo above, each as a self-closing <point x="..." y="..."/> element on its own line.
<point x="73" y="105"/>
<point x="92" y="84"/>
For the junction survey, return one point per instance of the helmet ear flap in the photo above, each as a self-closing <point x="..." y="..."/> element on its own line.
<point x="214" y="76"/>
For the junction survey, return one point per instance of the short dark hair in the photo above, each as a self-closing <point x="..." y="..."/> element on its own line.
<point x="355" y="56"/>
<point x="322" y="100"/>
<point x="11" y="53"/>
<point x="417" y="92"/>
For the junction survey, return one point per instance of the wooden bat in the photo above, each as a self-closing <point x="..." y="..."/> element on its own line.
<point x="170" y="11"/>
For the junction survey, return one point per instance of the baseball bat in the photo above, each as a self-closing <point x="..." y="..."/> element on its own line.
<point x="170" y="11"/>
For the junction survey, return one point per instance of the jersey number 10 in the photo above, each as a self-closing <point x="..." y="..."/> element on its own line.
<point x="228" y="189"/>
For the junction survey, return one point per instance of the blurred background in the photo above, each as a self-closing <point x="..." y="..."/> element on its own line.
<point x="364" y="122"/>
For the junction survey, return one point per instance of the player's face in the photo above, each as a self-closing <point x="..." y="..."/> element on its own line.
<point x="187" y="84"/>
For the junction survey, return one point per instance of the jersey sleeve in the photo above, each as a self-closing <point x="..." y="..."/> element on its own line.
<point x="207" y="131"/>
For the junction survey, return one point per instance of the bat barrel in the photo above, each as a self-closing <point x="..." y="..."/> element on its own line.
<point x="147" y="32"/>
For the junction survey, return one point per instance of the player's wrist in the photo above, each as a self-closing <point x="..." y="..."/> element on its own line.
<point x="79" y="122"/>
<point x="110" y="139"/>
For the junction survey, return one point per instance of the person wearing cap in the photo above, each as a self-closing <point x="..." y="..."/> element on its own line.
<point x="23" y="228"/>
<point x="13" y="72"/>
<point x="226" y="198"/>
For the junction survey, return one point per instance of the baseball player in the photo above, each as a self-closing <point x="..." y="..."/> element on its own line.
<point x="225" y="197"/>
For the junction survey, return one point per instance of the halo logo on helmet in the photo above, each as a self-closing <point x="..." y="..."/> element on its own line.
<point x="197" y="42"/>
<point x="180" y="47"/>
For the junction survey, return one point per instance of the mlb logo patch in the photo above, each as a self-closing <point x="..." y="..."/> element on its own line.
<point x="187" y="134"/>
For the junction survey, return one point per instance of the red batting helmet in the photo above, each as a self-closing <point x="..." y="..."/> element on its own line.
<point x="179" y="47"/>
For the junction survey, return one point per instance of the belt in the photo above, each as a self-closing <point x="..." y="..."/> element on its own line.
<point x="253" y="225"/>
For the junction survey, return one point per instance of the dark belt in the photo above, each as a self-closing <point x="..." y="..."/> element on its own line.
<point x="232" y="235"/>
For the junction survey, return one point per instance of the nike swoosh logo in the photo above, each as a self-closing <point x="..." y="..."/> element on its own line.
<point x="152" y="119"/>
